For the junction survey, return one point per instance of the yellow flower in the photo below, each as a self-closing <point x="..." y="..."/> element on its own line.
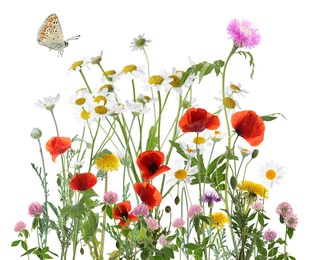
<point x="253" y="189"/>
<point x="76" y="64"/>
<point x="219" y="219"/>
<point x="107" y="162"/>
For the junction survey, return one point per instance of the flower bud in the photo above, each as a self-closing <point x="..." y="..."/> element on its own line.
<point x="168" y="209"/>
<point x="177" y="200"/>
<point x="36" y="133"/>
<point x="254" y="153"/>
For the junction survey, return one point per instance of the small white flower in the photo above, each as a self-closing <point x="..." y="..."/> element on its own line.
<point x="48" y="102"/>
<point x="200" y="140"/>
<point x="81" y="98"/>
<point x="132" y="72"/>
<point x="136" y="107"/>
<point x="271" y="173"/>
<point x="159" y="81"/>
<point x="139" y="43"/>
<point x="244" y="151"/>
<point x="237" y="89"/>
<point x="217" y="136"/>
<point x="181" y="173"/>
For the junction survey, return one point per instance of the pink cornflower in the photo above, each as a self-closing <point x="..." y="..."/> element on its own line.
<point x="35" y="209"/>
<point x="269" y="235"/>
<point x="283" y="209"/>
<point x="141" y="210"/>
<point x="242" y="34"/>
<point x="194" y="210"/>
<point x="152" y="223"/>
<point x="110" y="197"/>
<point x="178" y="223"/>
<point x="163" y="240"/>
<point x="291" y="220"/>
<point x="257" y="205"/>
<point x="20" y="226"/>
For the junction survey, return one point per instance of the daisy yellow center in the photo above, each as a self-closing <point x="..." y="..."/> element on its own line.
<point x="156" y="80"/>
<point x="229" y="102"/>
<point x="180" y="174"/>
<point x="110" y="72"/>
<point x="80" y="101"/>
<point x="215" y="138"/>
<point x="85" y="115"/>
<point x="107" y="86"/>
<point x="199" y="140"/>
<point x="235" y="88"/>
<point x="175" y="83"/>
<point x="245" y="151"/>
<point x="129" y="68"/>
<point x="189" y="150"/>
<point x="270" y="174"/>
<point x="76" y="64"/>
<point x="98" y="99"/>
<point x="101" y="110"/>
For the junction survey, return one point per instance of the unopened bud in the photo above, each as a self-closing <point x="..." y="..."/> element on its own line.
<point x="168" y="209"/>
<point x="35" y="133"/>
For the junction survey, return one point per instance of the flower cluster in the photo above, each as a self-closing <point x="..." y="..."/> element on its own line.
<point x="151" y="174"/>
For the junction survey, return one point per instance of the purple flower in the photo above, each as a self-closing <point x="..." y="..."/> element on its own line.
<point x="163" y="240"/>
<point x="242" y="34"/>
<point x="152" y="223"/>
<point x="194" y="210"/>
<point x="35" y="209"/>
<point x="257" y="205"/>
<point x="110" y="197"/>
<point x="210" y="197"/>
<point x="178" y="223"/>
<point x="269" y="235"/>
<point x="20" y="226"/>
<point x="283" y="209"/>
<point x="141" y="210"/>
<point x="291" y="220"/>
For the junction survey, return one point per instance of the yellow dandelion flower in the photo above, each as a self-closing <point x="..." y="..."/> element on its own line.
<point x="107" y="162"/>
<point x="219" y="219"/>
<point x="253" y="189"/>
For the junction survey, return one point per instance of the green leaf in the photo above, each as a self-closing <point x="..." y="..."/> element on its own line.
<point x="109" y="212"/>
<point x="152" y="139"/>
<point x="290" y="232"/>
<point x="16" y="242"/>
<point x="89" y="226"/>
<point x="191" y="246"/>
<point x="145" y="254"/>
<point x="206" y="69"/>
<point x="251" y="61"/>
<point x="272" y="117"/>
<point x="168" y="252"/>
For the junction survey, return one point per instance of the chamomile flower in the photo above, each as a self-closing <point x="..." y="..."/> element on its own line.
<point x="271" y="173"/>
<point x="139" y="43"/>
<point x="181" y="173"/>
<point x="244" y="151"/>
<point x="136" y="107"/>
<point x="95" y="59"/>
<point x="132" y="71"/>
<point x="99" y="108"/>
<point x="200" y="140"/>
<point x="236" y="89"/>
<point x="146" y="99"/>
<point x="176" y="84"/>
<point x="110" y="76"/>
<point x="48" y="102"/>
<point x="81" y="98"/>
<point x="217" y="136"/>
<point x="189" y="149"/>
<point x="158" y="81"/>
<point x="77" y="65"/>
<point x="228" y="102"/>
<point x="84" y="115"/>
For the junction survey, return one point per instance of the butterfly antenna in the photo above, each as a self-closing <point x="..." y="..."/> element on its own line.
<point x="73" y="38"/>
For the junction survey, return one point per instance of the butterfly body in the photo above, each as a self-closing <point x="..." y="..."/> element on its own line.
<point x="50" y="35"/>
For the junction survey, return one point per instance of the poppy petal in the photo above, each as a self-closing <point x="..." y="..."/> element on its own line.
<point x="58" y="145"/>
<point x="83" y="181"/>
<point x="148" y="194"/>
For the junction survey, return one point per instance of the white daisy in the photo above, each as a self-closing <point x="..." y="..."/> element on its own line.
<point x="181" y="173"/>
<point x="48" y="102"/>
<point x="200" y="140"/>
<point x="217" y="136"/>
<point x="271" y="173"/>
<point x="140" y="42"/>
<point x="189" y="149"/>
<point x="81" y="98"/>
<point x="228" y="102"/>
<point x="132" y="72"/>
<point x="159" y="81"/>
<point x="237" y="89"/>
<point x="244" y="151"/>
<point x="136" y="107"/>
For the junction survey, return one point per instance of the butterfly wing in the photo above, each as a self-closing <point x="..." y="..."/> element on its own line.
<point x="50" y="34"/>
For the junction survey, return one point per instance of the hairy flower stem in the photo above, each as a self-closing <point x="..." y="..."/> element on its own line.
<point x="44" y="184"/>
<point x="228" y="145"/>
<point x="104" y="222"/>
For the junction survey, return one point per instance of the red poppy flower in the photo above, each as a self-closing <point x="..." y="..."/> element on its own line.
<point x="122" y="213"/>
<point x="148" y="194"/>
<point x="150" y="163"/>
<point x="83" y="181"/>
<point x="197" y="120"/>
<point x="58" y="145"/>
<point x="249" y="125"/>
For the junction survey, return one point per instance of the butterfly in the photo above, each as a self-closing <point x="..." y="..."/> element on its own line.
<point x="50" y="35"/>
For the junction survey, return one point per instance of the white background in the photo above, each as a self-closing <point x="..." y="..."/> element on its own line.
<point x="178" y="29"/>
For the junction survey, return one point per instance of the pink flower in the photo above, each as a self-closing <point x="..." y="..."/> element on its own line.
<point x="269" y="235"/>
<point x="242" y="34"/>
<point x="152" y="223"/>
<point x="194" y="210"/>
<point x="110" y="197"/>
<point x="35" y="209"/>
<point x="284" y="209"/>
<point x="178" y="223"/>
<point x="141" y="210"/>
<point x="163" y="240"/>
<point x="257" y="205"/>
<point x="291" y="220"/>
<point x="20" y="226"/>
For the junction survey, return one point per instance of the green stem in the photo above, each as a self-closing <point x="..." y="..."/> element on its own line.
<point x="85" y="80"/>
<point x="104" y="222"/>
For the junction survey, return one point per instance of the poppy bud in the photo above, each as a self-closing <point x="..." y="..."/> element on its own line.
<point x="168" y="209"/>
